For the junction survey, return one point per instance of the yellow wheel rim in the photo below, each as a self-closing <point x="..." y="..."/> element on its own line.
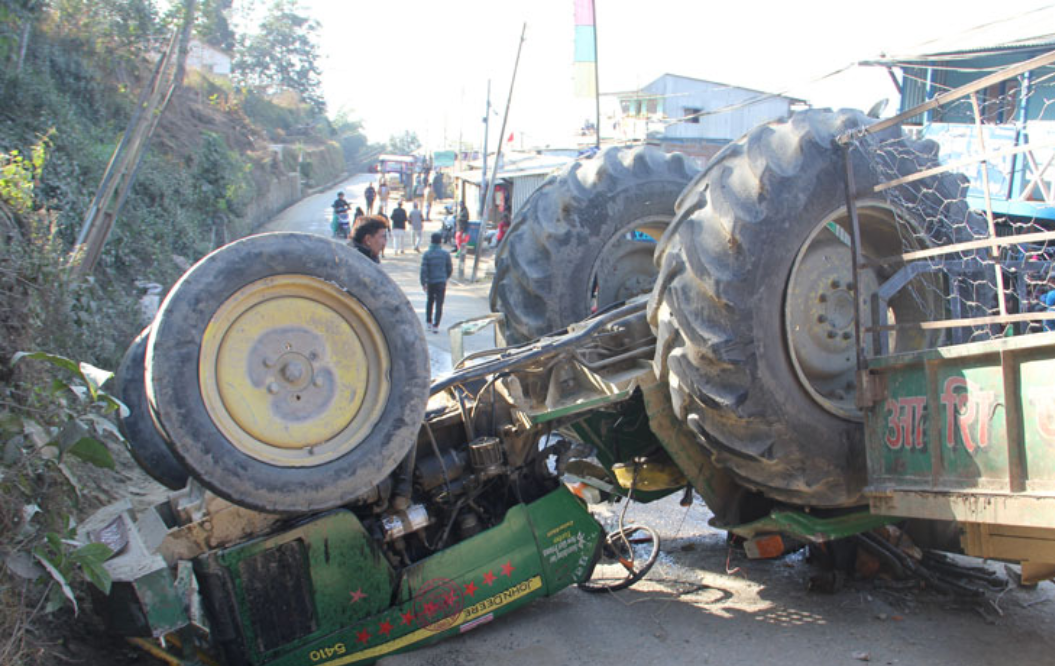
<point x="294" y="371"/>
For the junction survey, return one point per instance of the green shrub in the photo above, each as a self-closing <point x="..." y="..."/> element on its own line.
<point x="47" y="425"/>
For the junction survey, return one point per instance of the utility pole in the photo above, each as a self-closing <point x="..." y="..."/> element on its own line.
<point x="596" y="76"/>
<point x="483" y="181"/>
<point x="461" y="108"/>
<point x="483" y="171"/>
<point x="488" y="200"/>
<point x="121" y="173"/>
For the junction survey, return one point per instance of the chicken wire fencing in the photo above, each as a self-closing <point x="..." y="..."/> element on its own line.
<point x="968" y="182"/>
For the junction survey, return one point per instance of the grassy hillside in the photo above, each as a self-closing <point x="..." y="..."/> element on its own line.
<point x="212" y="172"/>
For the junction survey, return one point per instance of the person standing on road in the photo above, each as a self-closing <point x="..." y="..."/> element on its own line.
<point x="417" y="226"/>
<point x="503" y="227"/>
<point x="382" y="194"/>
<point x="436" y="269"/>
<point x="370" y="194"/>
<point x="369" y="238"/>
<point x="399" y="228"/>
<point x="340" y="206"/>
<point x="430" y="195"/>
<point x="461" y="238"/>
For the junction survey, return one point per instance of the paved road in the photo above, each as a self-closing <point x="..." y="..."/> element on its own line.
<point x="312" y="214"/>
<point x="465" y="299"/>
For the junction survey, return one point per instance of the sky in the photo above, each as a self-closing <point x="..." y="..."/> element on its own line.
<point x="424" y="65"/>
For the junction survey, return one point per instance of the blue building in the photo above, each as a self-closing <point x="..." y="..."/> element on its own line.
<point x="1017" y="115"/>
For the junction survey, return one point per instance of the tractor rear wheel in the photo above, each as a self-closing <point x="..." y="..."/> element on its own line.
<point x="754" y="306"/>
<point x="585" y="239"/>
<point x="289" y="371"/>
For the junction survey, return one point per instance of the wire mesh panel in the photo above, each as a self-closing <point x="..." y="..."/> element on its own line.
<point x="971" y="193"/>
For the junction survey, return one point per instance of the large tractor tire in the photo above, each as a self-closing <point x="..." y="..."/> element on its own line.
<point x="147" y="445"/>
<point x="289" y="372"/>
<point x="585" y="239"/>
<point x="754" y="305"/>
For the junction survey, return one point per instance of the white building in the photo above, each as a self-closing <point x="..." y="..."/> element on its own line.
<point x="207" y="58"/>
<point x="695" y="116"/>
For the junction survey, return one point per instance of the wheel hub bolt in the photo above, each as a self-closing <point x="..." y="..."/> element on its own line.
<point x="272" y="388"/>
<point x="836" y="284"/>
<point x="821" y="319"/>
<point x="268" y="362"/>
<point x="846" y="335"/>
<point x="823" y="298"/>
<point x="292" y="372"/>
<point x="831" y="335"/>
<point x="850" y="286"/>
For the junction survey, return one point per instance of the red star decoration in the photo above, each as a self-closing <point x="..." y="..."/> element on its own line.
<point x="429" y="608"/>
<point x="470" y="589"/>
<point x="357" y="596"/>
<point x="450" y="598"/>
<point x="385" y="628"/>
<point x="408" y="617"/>
<point x="489" y="578"/>
<point x="507" y="569"/>
<point x="363" y="636"/>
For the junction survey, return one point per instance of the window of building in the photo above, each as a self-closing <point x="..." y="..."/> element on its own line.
<point x="692" y="114"/>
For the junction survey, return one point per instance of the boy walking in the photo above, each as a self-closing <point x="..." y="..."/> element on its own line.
<point x="436" y="269"/>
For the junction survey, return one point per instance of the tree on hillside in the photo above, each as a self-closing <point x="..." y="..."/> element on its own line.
<point x="283" y="55"/>
<point x="350" y="135"/>
<point x="16" y="22"/>
<point x="213" y="26"/>
<point x="404" y="144"/>
<point x="108" y="26"/>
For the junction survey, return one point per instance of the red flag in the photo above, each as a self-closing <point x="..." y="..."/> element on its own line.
<point x="510" y="139"/>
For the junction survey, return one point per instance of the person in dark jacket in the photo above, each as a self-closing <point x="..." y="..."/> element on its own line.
<point x="399" y="228"/>
<point x="370" y="194"/>
<point x="370" y="237"/>
<point x="340" y="224"/>
<point x="436" y="269"/>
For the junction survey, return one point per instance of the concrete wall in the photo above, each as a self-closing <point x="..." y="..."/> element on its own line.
<point x="273" y="195"/>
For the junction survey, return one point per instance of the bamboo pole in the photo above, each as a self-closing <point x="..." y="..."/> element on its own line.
<point x="124" y="165"/>
<point x="489" y="200"/>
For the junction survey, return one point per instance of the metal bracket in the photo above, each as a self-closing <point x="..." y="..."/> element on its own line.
<point x="871" y="388"/>
<point x="473" y="326"/>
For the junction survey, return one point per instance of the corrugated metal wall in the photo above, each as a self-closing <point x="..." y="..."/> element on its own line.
<point x="523" y="188"/>
<point x="471" y="197"/>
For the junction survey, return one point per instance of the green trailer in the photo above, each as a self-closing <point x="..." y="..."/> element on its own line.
<point x="967" y="433"/>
